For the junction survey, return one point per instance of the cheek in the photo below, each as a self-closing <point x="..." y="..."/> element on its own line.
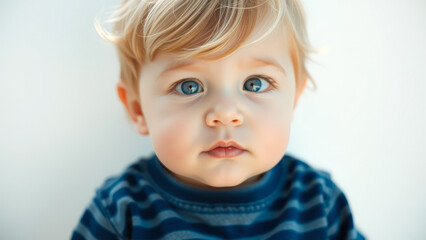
<point x="272" y="136"/>
<point x="276" y="145"/>
<point x="173" y="139"/>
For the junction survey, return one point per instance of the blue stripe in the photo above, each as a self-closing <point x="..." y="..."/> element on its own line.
<point x="130" y="178"/>
<point x="174" y="224"/>
<point x="289" y="234"/>
<point x="77" y="236"/>
<point x="304" y="175"/>
<point x="140" y="196"/>
<point x="302" y="217"/>
<point x="301" y="195"/>
<point x="339" y="204"/>
<point x="344" y="228"/>
<point x="160" y="205"/>
<point x="236" y="231"/>
<point x="148" y="213"/>
<point x="97" y="230"/>
<point x="315" y="212"/>
<point x="335" y="217"/>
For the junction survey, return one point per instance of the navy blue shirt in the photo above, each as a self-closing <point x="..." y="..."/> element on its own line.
<point x="290" y="201"/>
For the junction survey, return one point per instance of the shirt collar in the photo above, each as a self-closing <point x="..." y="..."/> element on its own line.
<point x="253" y="192"/>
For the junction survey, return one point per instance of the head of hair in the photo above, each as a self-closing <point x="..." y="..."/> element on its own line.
<point x="209" y="29"/>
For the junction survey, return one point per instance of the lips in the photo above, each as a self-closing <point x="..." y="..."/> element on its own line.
<point x="223" y="149"/>
<point x="225" y="152"/>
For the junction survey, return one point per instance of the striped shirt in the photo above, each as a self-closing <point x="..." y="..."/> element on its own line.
<point x="290" y="201"/>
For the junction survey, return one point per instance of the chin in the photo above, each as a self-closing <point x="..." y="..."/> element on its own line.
<point x="220" y="183"/>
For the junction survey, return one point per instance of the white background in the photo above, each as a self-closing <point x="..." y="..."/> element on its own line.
<point x="63" y="130"/>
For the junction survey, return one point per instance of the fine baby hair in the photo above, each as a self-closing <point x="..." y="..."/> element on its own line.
<point x="208" y="29"/>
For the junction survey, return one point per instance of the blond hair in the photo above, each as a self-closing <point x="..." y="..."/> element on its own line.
<point x="200" y="28"/>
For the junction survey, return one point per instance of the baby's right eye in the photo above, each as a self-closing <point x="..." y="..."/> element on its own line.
<point x="188" y="87"/>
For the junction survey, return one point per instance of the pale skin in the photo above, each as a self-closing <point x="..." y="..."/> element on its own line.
<point x="183" y="126"/>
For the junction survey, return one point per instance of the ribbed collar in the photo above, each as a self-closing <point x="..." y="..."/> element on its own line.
<point x="246" y="194"/>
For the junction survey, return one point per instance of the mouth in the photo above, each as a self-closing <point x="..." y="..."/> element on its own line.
<point x="223" y="149"/>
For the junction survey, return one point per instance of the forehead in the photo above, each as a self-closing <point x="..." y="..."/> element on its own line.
<point x="272" y="50"/>
<point x="242" y="63"/>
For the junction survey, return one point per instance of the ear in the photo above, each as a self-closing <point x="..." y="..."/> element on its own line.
<point x="299" y="91"/>
<point x="133" y="107"/>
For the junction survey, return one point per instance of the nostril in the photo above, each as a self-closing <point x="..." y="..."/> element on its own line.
<point x="235" y="121"/>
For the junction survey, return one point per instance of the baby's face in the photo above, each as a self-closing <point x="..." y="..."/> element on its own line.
<point x="247" y="98"/>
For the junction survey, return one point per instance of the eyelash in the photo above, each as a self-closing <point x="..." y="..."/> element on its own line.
<point x="172" y="90"/>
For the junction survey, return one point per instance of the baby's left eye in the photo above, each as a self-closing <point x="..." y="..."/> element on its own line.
<point x="257" y="84"/>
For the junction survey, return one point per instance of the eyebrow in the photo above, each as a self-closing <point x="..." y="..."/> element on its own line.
<point x="250" y="63"/>
<point x="179" y="65"/>
<point x="262" y="62"/>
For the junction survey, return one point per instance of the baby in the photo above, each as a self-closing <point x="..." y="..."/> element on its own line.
<point x="214" y="83"/>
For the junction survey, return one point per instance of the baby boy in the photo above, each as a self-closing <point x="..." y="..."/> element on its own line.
<point x="214" y="83"/>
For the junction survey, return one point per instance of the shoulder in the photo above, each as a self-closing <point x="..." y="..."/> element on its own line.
<point x="131" y="187"/>
<point x="316" y="186"/>
<point x="297" y="164"/>
<point x="303" y="173"/>
<point x="107" y="215"/>
<point x="311" y="181"/>
<point x="127" y="182"/>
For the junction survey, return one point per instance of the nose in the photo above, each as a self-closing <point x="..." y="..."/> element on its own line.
<point x="224" y="113"/>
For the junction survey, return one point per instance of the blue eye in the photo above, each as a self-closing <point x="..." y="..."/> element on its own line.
<point x="188" y="87"/>
<point x="256" y="84"/>
<point x="253" y="84"/>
